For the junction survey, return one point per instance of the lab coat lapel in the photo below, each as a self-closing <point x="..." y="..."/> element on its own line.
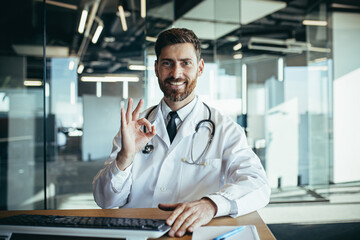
<point x="189" y="124"/>
<point x="157" y="120"/>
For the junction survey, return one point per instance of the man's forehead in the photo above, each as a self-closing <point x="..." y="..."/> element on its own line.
<point x="178" y="50"/>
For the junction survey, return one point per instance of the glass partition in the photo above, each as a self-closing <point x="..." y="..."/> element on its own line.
<point x="21" y="106"/>
<point x="264" y="67"/>
<point x="103" y="68"/>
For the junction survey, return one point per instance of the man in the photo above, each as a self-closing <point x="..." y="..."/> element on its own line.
<point x="195" y="178"/>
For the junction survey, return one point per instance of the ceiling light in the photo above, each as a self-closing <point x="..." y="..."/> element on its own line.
<point x="318" y="68"/>
<point x="150" y="39"/>
<point x="97" y="33"/>
<point x="237" y="47"/>
<point x="38" y="51"/>
<point x="59" y="4"/>
<point x="137" y="67"/>
<point x="122" y="18"/>
<point x="205" y="45"/>
<point x="32" y="83"/>
<point x="244" y="88"/>
<point x="72" y="93"/>
<point x="109" y="39"/>
<point x="281" y="69"/>
<point x="232" y="38"/>
<point x="337" y="5"/>
<point x="127" y="14"/>
<point x="83" y="21"/>
<point x="315" y="23"/>
<point x="47" y="89"/>
<point x="110" y="79"/>
<point x="75" y="133"/>
<point x="284" y="46"/>
<point x="114" y="67"/>
<point x="125" y="90"/>
<point x="143" y="8"/>
<point x="323" y="59"/>
<point x="98" y="89"/>
<point x="71" y="65"/>
<point x="237" y="56"/>
<point x="80" y="69"/>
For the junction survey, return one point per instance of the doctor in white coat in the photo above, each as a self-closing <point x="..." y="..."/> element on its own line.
<point x="206" y="170"/>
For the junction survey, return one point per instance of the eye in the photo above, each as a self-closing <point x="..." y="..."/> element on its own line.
<point x="186" y="63"/>
<point x="165" y="63"/>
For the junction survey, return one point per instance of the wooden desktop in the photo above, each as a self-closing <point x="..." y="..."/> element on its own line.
<point x="249" y="219"/>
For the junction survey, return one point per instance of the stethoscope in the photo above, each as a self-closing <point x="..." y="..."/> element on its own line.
<point x="149" y="147"/>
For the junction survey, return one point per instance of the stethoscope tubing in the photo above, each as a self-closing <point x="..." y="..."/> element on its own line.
<point x="149" y="147"/>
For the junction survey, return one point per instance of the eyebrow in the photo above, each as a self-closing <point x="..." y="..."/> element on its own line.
<point x="186" y="59"/>
<point x="166" y="59"/>
<point x="182" y="59"/>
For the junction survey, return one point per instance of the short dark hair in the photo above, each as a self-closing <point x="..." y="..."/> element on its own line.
<point x="175" y="36"/>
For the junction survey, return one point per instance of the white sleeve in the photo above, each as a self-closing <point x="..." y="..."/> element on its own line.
<point x="111" y="186"/>
<point x="223" y="205"/>
<point x="246" y="188"/>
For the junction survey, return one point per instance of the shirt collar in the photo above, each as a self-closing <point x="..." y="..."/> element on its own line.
<point x="182" y="112"/>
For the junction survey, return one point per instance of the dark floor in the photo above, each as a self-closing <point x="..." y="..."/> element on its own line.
<point x="330" y="231"/>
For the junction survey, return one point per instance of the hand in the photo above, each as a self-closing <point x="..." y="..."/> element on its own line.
<point x="189" y="216"/>
<point x="133" y="139"/>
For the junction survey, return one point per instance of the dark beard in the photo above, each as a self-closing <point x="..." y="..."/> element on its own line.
<point x="173" y="95"/>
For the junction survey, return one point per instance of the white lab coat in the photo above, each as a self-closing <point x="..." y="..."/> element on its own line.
<point x="232" y="169"/>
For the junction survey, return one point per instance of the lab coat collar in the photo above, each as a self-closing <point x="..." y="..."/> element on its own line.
<point x="187" y="128"/>
<point x="182" y="112"/>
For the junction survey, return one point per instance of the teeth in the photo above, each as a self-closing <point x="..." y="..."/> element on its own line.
<point x="176" y="83"/>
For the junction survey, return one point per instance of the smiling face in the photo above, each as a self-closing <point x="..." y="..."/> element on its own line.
<point x="177" y="70"/>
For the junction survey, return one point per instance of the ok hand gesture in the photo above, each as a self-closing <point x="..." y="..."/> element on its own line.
<point x="133" y="139"/>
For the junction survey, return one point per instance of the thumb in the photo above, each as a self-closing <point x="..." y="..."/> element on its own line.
<point x="168" y="207"/>
<point x="151" y="133"/>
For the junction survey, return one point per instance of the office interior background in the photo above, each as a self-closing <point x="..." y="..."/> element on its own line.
<point x="287" y="71"/>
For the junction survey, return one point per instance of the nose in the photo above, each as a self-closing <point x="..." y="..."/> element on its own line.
<point x="177" y="71"/>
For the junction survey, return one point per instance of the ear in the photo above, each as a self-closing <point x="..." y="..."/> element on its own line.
<point x="201" y="66"/>
<point x="156" y="69"/>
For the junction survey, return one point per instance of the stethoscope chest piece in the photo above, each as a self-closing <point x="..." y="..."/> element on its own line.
<point x="148" y="148"/>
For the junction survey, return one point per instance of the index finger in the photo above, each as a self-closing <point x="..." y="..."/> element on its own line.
<point x="174" y="215"/>
<point x="123" y="119"/>
<point x="129" y="110"/>
<point x="136" y="112"/>
<point x="167" y="206"/>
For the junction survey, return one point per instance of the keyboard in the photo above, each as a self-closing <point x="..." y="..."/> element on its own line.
<point x="104" y="227"/>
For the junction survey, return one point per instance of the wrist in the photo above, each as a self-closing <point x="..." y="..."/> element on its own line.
<point x="123" y="160"/>
<point x="212" y="204"/>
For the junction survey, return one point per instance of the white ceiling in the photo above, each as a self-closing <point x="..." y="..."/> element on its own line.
<point x="212" y="19"/>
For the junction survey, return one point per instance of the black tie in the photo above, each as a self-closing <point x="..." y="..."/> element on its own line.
<point x="171" y="127"/>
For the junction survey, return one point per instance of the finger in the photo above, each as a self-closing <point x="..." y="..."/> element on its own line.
<point x="195" y="225"/>
<point x="129" y="110"/>
<point x="135" y="114"/>
<point x="167" y="207"/>
<point x="187" y="222"/>
<point x="175" y="214"/>
<point x="179" y="221"/>
<point x="151" y="133"/>
<point x="123" y="120"/>
<point x="145" y="122"/>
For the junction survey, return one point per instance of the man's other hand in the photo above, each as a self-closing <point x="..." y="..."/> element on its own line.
<point x="189" y="216"/>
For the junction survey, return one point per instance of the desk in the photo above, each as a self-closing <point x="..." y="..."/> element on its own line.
<point x="249" y="219"/>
